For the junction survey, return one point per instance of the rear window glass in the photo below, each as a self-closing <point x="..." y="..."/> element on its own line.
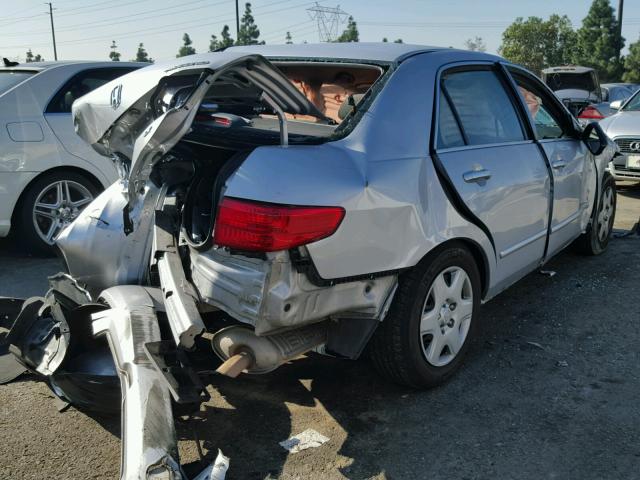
<point x="10" y="78"/>
<point x="336" y="90"/>
<point x="484" y="108"/>
<point x="81" y="84"/>
<point x="570" y="81"/>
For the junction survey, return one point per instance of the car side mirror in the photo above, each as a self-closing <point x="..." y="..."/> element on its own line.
<point x="594" y="138"/>
<point x="615" y="105"/>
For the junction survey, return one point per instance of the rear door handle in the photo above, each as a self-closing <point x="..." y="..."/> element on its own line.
<point x="476" y="175"/>
<point x="559" y="164"/>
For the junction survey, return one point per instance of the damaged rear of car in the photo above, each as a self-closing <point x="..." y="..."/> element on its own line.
<point x="323" y="201"/>
<point x="180" y="238"/>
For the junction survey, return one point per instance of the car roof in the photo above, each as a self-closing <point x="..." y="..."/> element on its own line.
<point x="364" y="51"/>
<point x="568" y="69"/>
<point x="41" y="66"/>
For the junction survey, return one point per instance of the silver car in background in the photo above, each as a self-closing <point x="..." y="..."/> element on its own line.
<point x="47" y="173"/>
<point x="624" y="129"/>
<point x="347" y="198"/>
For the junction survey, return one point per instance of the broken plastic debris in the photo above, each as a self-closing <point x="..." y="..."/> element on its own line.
<point x="217" y="470"/>
<point x="548" y="273"/>
<point x="307" y="439"/>
<point x="562" y="363"/>
<point x="536" y="344"/>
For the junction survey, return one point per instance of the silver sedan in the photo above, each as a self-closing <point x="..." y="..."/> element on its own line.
<point x="346" y="198"/>
<point x="624" y="129"/>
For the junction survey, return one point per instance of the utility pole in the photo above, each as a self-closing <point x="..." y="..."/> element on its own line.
<point x="238" y="21"/>
<point x="620" y="8"/>
<point x="53" y="31"/>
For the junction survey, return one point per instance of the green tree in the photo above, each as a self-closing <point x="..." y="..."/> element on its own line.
<point x="186" y="48"/>
<point x="214" y="44"/>
<point x="114" y="55"/>
<point x="475" y="44"/>
<point x="598" y="44"/>
<point x="287" y="38"/>
<point x="226" y="41"/>
<point x="537" y="44"/>
<point x="632" y="64"/>
<point x="142" y="55"/>
<point x="350" y="33"/>
<point x="33" y="58"/>
<point x="385" y="40"/>
<point x="249" y="31"/>
<point x="398" y="40"/>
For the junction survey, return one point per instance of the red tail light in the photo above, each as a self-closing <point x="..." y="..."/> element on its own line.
<point x="591" y="113"/>
<point x="264" y="227"/>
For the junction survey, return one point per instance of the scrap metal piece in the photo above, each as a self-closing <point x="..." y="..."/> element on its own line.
<point x="10" y="368"/>
<point x="179" y="294"/>
<point x="172" y="363"/>
<point x="182" y="311"/>
<point x="149" y="445"/>
<point x="40" y="335"/>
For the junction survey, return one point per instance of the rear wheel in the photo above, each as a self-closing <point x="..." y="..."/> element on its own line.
<point x="596" y="239"/>
<point x="48" y="205"/>
<point x="423" y="340"/>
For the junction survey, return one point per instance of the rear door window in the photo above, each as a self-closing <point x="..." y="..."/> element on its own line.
<point x="482" y="106"/>
<point x="11" y="78"/>
<point x="81" y="84"/>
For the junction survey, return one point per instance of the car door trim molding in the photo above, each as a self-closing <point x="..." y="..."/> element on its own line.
<point x="565" y="222"/>
<point x="523" y="243"/>
<point x="488" y="145"/>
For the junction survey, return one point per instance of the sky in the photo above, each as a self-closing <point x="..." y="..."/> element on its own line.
<point x="85" y="28"/>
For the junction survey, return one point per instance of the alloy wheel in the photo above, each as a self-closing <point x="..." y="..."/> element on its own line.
<point x="57" y="205"/>
<point x="605" y="214"/>
<point x="446" y="316"/>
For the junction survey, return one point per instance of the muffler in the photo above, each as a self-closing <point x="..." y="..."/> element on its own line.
<point x="241" y="349"/>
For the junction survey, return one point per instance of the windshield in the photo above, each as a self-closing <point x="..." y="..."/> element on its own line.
<point x="633" y="105"/>
<point x="10" y="78"/>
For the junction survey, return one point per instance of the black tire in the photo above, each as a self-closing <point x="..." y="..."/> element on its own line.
<point x="590" y="242"/>
<point x="396" y="349"/>
<point x="26" y="232"/>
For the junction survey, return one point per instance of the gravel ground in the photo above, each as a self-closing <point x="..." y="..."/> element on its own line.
<point x="549" y="390"/>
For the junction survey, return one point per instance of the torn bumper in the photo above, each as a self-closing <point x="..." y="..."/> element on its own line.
<point x="272" y="295"/>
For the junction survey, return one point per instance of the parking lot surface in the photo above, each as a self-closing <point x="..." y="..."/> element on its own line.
<point x="549" y="390"/>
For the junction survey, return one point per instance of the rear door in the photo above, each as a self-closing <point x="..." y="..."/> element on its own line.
<point x="498" y="172"/>
<point x="567" y="157"/>
<point x="58" y="111"/>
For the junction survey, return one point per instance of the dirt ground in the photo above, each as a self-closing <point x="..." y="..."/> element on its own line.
<point x="549" y="390"/>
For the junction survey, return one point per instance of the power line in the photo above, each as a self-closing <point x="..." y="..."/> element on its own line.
<point x="162" y="29"/>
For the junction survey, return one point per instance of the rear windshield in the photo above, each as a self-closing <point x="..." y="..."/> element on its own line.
<point x="573" y="81"/>
<point x="337" y="91"/>
<point x="10" y="78"/>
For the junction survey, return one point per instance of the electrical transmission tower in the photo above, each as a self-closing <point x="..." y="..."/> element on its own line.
<point x="329" y="20"/>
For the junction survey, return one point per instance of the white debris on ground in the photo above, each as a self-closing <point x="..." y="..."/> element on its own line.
<point x="307" y="439"/>
<point x="217" y="470"/>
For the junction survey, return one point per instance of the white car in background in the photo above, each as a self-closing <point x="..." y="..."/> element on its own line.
<point x="47" y="173"/>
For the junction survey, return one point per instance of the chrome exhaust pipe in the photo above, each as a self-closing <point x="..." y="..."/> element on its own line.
<point x="241" y="349"/>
